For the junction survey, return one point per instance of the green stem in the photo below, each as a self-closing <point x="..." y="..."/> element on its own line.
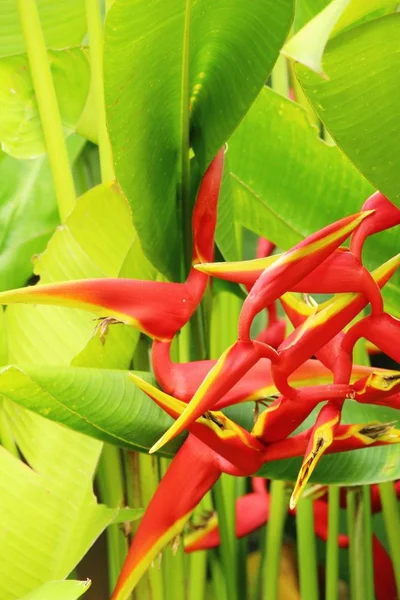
<point x="332" y="548"/>
<point x="226" y="545"/>
<point x="198" y="560"/>
<point x="367" y="544"/>
<point x="351" y="501"/>
<point x="48" y="106"/>
<point x="6" y="435"/>
<point x="391" y="515"/>
<point x="111" y="489"/>
<point x="185" y="161"/>
<point x="173" y="561"/>
<point x="280" y="76"/>
<point x="274" y="538"/>
<point x="95" y="29"/>
<point x="219" y="582"/>
<point x="306" y="550"/>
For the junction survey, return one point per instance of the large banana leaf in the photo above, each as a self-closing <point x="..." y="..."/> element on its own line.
<point x="356" y="101"/>
<point x="21" y="132"/>
<point x="63" y="24"/>
<point x="28" y="213"/>
<point x="59" y="590"/>
<point x="51" y="499"/>
<point x="175" y="70"/>
<point x="287" y="182"/>
<point x="106" y="404"/>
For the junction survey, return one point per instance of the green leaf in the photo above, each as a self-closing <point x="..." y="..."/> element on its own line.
<point x="307" y="46"/>
<point x="165" y="61"/>
<point x="59" y="590"/>
<point x="288" y="183"/>
<point x="107" y="405"/>
<point x="127" y="515"/>
<point x="77" y="251"/>
<point x="21" y="132"/>
<point x="356" y="103"/>
<point x="49" y="499"/>
<point x="28" y="213"/>
<point x="369" y="465"/>
<point x="55" y="495"/>
<point x="63" y="24"/>
<point x="102" y="403"/>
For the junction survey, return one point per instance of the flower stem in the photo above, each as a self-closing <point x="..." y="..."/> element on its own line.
<point x="274" y="538"/>
<point x="351" y="497"/>
<point x="111" y="489"/>
<point x="391" y="515"/>
<point x="306" y="550"/>
<point x="95" y="29"/>
<point x="48" y="106"/>
<point x="227" y="540"/>
<point x="173" y="561"/>
<point x="332" y="548"/>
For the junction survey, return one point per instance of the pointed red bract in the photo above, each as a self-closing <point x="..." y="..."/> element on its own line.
<point x="292" y="266"/>
<point x="193" y="471"/>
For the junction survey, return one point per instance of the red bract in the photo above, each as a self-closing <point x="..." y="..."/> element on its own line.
<point x="157" y="309"/>
<point x="293" y="266"/>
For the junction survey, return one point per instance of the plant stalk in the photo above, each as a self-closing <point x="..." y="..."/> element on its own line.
<point x="391" y="515"/>
<point x="110" y="482"/>
<point x="332" y="548"/>
<point x="274" y="539"/>
<point x="48" y="106"/>
<point x="306" y="550"/>
<point x="95" y="29"/>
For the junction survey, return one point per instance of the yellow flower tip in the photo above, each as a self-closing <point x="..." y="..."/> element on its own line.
<point x="159" y="444"/>
<point x="294" y="498"/>
<point x="206" y="267"/>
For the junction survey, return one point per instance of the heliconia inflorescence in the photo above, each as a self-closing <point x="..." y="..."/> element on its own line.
<point x="313" y="364"/>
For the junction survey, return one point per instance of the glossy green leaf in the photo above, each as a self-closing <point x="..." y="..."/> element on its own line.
<point x="166" y="62"/>
<point x="288" y="183"/>
<point x="21" y="132"/>
<point x="356" y="103"/>
<point x="48" y="499"/>
<point x="107" y="405"/>
<point x="307" y="45"/>
<point x="28" y="214"/>
<point x="71" y="519"/>
<point x="369" y="465"/>
<point x="77" y="251"/>
<point x="63" y="24"/>
<point x="59" y="590"/>
<point x="102" y="403"/>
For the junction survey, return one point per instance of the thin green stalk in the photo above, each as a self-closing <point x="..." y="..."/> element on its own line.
<point x="173" y="561"/>
<point x="110" y="482"/>
<point x="48" y="106"/>
<point x="241" y="546"/>
<point x="198" y="560"/>
<point x="219" y="581"/>
<point x="366" y="544"/>
<point x="362" y="560"/>
<point x="391" y="515"/>
<point x="149" y="480"/>
<point x="274" y="539"/>
<point x="351" y="501"/>
<point x="227" y="541"/>
<point x="185" y="161"/>
<point x="306" y="550"/>
<point x="95" y="29"/>
<point x="332" y="548"/>
<point x="280" y="76"/>
<point x="6" y="435"/>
